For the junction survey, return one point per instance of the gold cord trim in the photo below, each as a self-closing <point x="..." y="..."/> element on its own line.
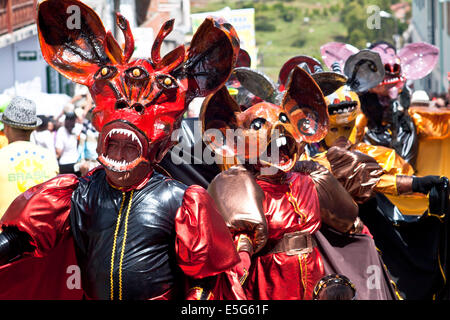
<point x="296" y="208"/>
<point x="304" y="271"/>
<point x="113" y="253"/>
<point x="111" y="277"/>
<point x="244" y="277"/>
<point x="442" y="270"/>
<point x="123" y="244"/>
<point x="394" y="285"/>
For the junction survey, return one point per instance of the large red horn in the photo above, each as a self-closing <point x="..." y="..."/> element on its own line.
<point x="156" y="49"/>
<point x="124" y="25"/>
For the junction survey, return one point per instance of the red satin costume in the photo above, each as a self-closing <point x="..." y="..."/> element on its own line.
<point x="289" y="207"/>
<point x="137" y="234"/>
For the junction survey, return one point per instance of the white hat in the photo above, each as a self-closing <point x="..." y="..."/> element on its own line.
<point x="420" y="96"/>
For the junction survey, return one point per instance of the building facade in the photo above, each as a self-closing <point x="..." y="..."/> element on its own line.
<point x="21" y="61"/>
<point x="431" y="23"/>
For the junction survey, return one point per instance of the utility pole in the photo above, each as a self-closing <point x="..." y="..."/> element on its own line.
<point x="116" y="9"/>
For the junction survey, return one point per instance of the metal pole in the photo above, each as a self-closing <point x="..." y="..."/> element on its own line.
<point x="441" y="48"/>
<point x="115" y="9"/>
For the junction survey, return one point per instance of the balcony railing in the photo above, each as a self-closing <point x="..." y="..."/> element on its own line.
<point x="15" y="14"/>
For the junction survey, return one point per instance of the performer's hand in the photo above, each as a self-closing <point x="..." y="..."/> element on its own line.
<point x="356" y="171"/>
<point x="439" y="198"/>
<point x="425" y="184"/>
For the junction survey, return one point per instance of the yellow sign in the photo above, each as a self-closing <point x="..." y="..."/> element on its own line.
<point x="243" y="20"/>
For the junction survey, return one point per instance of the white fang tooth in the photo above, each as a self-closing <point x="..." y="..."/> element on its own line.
<point x="283" y="141"/>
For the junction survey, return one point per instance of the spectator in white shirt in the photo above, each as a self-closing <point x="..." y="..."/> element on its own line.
<point x="66" y="144"/>
<point x="42" y="135"/>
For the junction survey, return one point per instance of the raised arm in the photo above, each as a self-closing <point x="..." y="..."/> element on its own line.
<point x="338" y="210"/>
<point x="37" y="219"/>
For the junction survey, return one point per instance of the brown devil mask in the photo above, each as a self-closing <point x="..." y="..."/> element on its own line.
<point x="362" y="71"/>
<point x="267" y="134"/>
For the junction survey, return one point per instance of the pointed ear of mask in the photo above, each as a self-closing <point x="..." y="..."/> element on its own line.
<point x="306" y="107"/>
<point x="336" y="52"/>
<point x="418" y="60"/>
<point x="73" y="40"/>
<point x="211" y="57"/>
<point x="257" y="83"/>
<point x="244" y="59"/>
<point x="218" y="113"/>
<point x="288" y="66"/>
<point x="329" y="81"/>
<point x="364" y="70"/>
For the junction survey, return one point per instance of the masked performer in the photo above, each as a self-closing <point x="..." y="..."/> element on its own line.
<point x="137" y="234"/>
<point x="385" y="106"/>
<point x="345" y="158"/>
<point x="419" y="135"/>
<point x="275" y="213"/>
<point x="362" y="71"/>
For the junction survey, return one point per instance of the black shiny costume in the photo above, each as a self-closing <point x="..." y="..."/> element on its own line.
<point x="390" y="127"/>
<point x="149" y="264"/>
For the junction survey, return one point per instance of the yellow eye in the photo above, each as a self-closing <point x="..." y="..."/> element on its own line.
<point x="168" y="81"/>
<point x="105" y="71"/>
<point x="137" y="72"/>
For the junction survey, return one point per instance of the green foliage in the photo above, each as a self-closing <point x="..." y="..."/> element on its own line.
<point x="263" y="23"/>
<point x="262" y="7"/>
<point x="355" y="17"/>
<point x="288" y="16"/>
<point x="279" y="6"/>
<point x="300" y="41"/>
<point x="247" y="4"/>
<point x="282" y="33"/>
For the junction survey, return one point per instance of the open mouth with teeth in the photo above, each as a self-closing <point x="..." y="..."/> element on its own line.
<point x="342" y="107"/>
<point x="281" y="153"/>
<point x="391" y="80"/>
<point x="122" y="147"/>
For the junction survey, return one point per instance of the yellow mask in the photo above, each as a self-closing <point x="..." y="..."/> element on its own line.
<point x="343" y="108"/>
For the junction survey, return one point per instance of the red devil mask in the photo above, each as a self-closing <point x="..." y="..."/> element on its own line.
<point x="138" y="103"/>
<point x="301" y="117"/>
